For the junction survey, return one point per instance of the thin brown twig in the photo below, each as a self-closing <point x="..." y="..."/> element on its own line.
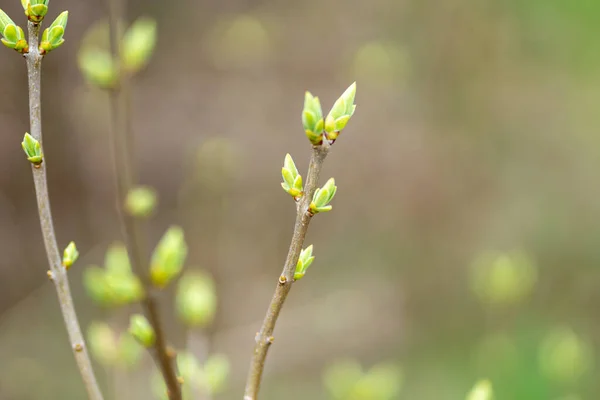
<point x="123" y="155"/>
<point x="58" y="272"/>
<point x="264" y="338"/>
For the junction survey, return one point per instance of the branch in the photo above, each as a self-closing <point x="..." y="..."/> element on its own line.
<point x="264" y="338"/>
<point x="122" y="145"/>
<point x="57" y="273"/>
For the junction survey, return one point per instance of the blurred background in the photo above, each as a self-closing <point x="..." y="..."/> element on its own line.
<point x="464" y="240"/>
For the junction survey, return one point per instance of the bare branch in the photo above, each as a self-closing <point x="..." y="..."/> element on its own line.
<point x="121" y="136"/>
<point x="57" y="272"/>
<point x="264" y="338"/>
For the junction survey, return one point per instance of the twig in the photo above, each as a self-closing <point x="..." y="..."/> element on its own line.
<point x="57" y="272"/>
<point x="122" y="138"/>
<point x="264" y="338"/>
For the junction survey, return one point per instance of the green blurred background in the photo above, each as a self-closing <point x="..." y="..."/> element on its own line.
<point x="465" y="237"/>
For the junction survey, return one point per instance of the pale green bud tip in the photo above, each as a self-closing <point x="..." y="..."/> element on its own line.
<point x="340" y="113"/>
<point x="292" y="180"/>
<point x="70" y="255"/>
<point x="322" y="197"/>
<point x="304" y="261"/>
<point x="5" y="21"/>
<point x="168" y="257"/>
<point x="481" y="391"/>
<point x="141" y="330"/>
<point x="141" y="201"/>
<point x="33" y="150"/>
<point x="196" y="299"/>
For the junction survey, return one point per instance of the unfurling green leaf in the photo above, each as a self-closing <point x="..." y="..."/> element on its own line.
<point x="322" y="197"/>
<point x="35" y="9"/>
<point x="340" y="113"/>
<point x="141" y="330"/>
<point x="168" y="257"/>
<point x="140" y="201"/>
<point x="33" y="150"/>
<point x="196" y="299"/>
<point x="312" y="119"/>
<point x="292" y="180"/>
<point x="98" y="67"/>
<point x="13" y="36"/>
<point x="138" y="44"/>
<point x="481" y="391"/>
<point x="70" y="255"/>
<point x="52" y="37"/>
<point x="304" y="261"/>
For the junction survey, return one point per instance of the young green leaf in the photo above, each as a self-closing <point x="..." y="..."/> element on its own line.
<point x="52" y="37"/>
<point x="196" y="299"/>
<point x="304" y="261"/>
<point x="70" y="255"/>
<point x="138" y="44"/>
<point x="168" y="257"/>
<point x="33" y="150"/>
<point x="312" y="119"/>
<point x="141" y="330"/>
<point x="322" y="197"/>
<point x="340" y="113"/>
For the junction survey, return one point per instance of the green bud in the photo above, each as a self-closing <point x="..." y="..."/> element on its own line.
<point x="115" y="285"/>
<point x="123" y="288"/>
<point x="215" y="373"/>
<point x="103" y="344"/>
<point x="196" y="299"/>
<point x="503" y="279"/>
<point x="140" y="201"/>
<point x="564" y="356"/>
<point x="98" y="67"/>
<point x="52" y="37"/>
<point x="312" y="119"/>
<point x="70" y="255"/>
<point x="141" y="330"/>
<point x="116" y="259"/>
<point x="322" y="197"/>
<point x="481" y="391"/>
<point x="138" y="44"/>
<point x="292" y="180"/>
<point x="340" y="113"/>
<point x="341" y="376"/>
<point x="306" y="258"/>
<point x="188" y="367"/>
<point x="168" y="257"/>
<point x="33" y="150"/>
<point x="35" y="9"/>
<point x="129" y="351"/>
<point x="13" y="36"/>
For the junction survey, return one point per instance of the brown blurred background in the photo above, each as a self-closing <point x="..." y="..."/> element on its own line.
<point x="476" y="130"/>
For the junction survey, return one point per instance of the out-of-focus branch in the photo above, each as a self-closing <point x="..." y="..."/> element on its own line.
<point x="122" y="146"/>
